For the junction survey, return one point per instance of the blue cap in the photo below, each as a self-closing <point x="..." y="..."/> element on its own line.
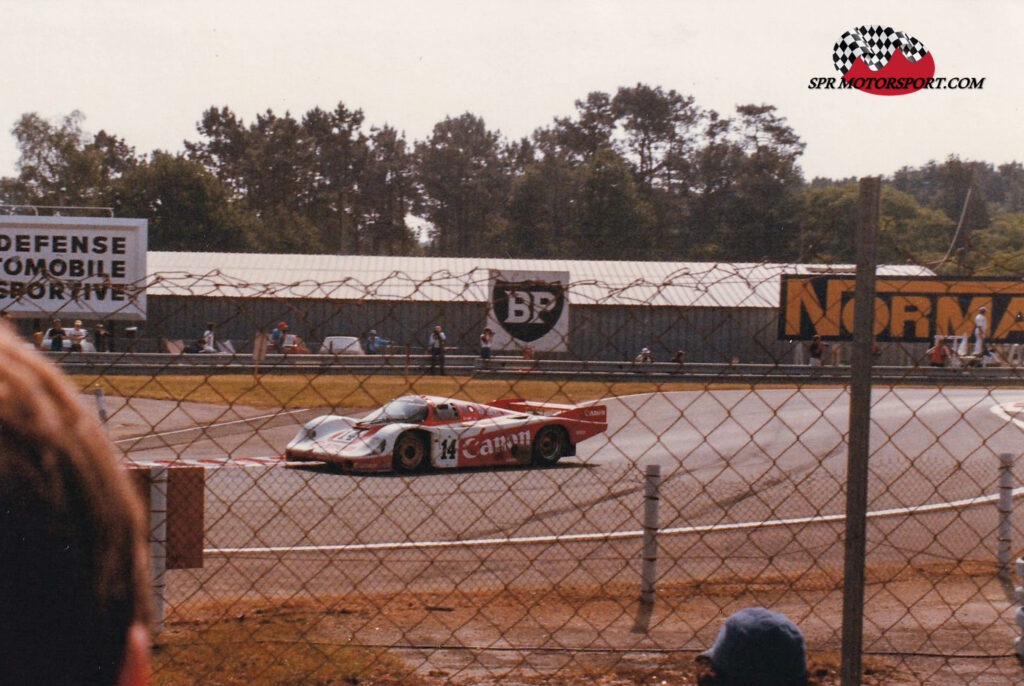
<point x="758" y="647"/>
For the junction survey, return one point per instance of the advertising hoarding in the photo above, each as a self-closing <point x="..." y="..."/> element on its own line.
<point x="908" y="309"/>
<point x="88" y="267"/>
<point x="529" y="308"/>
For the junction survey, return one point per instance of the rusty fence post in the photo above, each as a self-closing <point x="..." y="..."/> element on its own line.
<point x="158" y="542"/>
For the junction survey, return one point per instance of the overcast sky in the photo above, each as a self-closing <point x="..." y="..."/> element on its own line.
<point x="145" y="71"/>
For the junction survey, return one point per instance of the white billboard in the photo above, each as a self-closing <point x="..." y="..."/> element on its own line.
<point x="87" y="267"/>
<point x="529" y="308"/>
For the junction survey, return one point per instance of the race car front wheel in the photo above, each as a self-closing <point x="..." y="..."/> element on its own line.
<point x="549" y="445"/>
<point x="410" y="454"/>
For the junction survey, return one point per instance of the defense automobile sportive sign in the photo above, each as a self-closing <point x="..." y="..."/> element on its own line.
<point x="529" y="308"/>
<point x="85" y="267"/>
<point x="910" y="309"/>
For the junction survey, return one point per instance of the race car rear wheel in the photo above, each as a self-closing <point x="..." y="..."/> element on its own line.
<point x="410" y="454"/>
<point x="549" y="445"/>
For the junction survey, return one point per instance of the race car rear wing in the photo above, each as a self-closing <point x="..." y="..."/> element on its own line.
<point x="584" y="413"/>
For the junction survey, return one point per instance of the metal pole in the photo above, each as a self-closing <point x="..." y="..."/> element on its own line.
<point x="652" y="480"/>
<point x="1018" y="616"/>
<point x="860" y="433"/>
<point x="1005" y="534"/>
<point x="158" y="542"/>
<point x="101" y="404"/>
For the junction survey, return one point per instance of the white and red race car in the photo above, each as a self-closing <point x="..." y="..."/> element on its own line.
<point x="414" y="431"/>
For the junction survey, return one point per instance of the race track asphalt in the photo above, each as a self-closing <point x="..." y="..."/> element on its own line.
<point x="731" y="461"/>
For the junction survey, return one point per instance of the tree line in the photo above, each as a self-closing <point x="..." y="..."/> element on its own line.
<point x="644" y="174"/>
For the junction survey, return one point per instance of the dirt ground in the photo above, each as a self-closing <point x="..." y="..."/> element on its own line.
<point x="959" y="630"/>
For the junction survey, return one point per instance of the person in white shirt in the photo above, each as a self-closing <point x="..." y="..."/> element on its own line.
<point x="436" y="347"/>
<point x="208" y="340"/>
<point x="980" y="326"/>
<point x="76" y="335"/>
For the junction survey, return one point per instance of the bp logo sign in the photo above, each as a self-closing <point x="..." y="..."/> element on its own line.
<point x="529" y="308"/>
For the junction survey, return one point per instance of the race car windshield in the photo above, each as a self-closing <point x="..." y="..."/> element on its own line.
<point x="400" y="410"/>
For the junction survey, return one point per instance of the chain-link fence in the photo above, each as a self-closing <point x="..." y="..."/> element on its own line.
<point x="486" y="548"/>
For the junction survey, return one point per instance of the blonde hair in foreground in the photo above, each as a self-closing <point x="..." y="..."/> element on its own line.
<point x="72" y="549"/>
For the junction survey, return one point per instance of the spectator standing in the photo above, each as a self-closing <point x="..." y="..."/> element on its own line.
<point x="56" y="335"/>
<point x="208" y="340"/>
<point x="755" y="647"/>
<point x="980" y="327"/>
<point x="436" y="347"/>
<point x="816" y="351"/>
<point x="645" y="356"/>
<point x="76" y="335"/>
<point x="99" y="333"/>
<point x="75" y="595"/>
<point x="486" y="336"/>
<point x="108" y="338"/>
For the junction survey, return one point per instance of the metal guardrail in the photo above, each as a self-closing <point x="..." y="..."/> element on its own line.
<point x="503" y="367"/>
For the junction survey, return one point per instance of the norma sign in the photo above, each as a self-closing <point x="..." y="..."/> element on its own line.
<point x="85" y="267"/>
<point x="910" y="309"/>
<point x="529" y="309"/>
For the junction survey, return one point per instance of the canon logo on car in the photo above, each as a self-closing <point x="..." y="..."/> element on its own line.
<point x="484" y="445"/>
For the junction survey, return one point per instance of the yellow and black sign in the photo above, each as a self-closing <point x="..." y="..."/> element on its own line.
<point x="906" y="308"/>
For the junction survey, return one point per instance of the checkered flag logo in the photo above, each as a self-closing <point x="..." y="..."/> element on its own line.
<point x="875" y="45"/>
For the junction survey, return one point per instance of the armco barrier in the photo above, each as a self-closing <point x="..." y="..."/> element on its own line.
<point x="504" y="367"/>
